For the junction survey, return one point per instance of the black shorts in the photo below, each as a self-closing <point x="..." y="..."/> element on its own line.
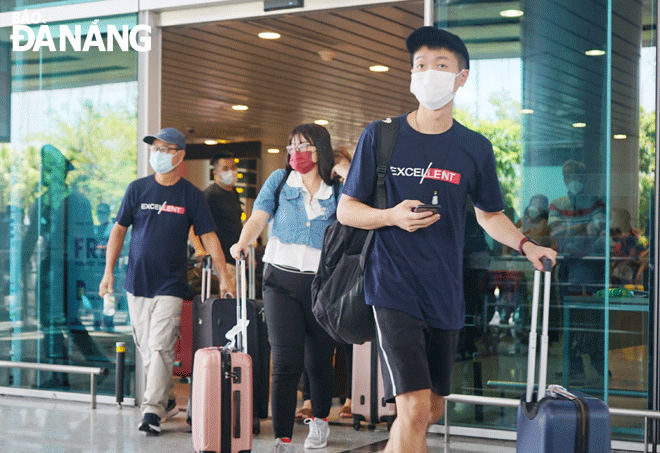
<point x="413" y="355"/>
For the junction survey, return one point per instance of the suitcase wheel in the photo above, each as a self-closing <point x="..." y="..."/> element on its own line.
<point x="389" y="421"/>
<point x="356" y="422"/>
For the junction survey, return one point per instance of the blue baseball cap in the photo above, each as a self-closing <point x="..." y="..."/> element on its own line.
<point x="168" y="135"/>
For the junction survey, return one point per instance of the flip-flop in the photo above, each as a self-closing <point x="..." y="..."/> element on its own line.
<point x="304" y="413"/>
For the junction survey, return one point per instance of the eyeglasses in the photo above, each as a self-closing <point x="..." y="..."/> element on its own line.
<point x="300" y="147"/>
<point x="165" y="149"/>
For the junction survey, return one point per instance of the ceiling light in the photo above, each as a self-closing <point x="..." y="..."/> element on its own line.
<point x="327" y="54"/>
<point x="579" y="124"/>
<point x="321" y="122"/>
<point x="526" y="111"/>
<point x="273" y="150"/>
<point x="269" y="35"/>
<point x="595" y="52"/>
<point x="210" y="142"/>
<point x="378" y="68"/>
<point x="511" y="13"/>
<point x="620" y="136"/>
<point x="239" y="107"/>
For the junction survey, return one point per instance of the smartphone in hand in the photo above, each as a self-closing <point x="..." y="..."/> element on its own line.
<point x="434" y="208"/>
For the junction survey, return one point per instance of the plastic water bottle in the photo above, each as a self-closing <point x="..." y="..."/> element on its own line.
<point x="109" y="304"/>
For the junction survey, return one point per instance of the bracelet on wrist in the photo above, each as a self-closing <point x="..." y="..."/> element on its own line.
<point x="522" y="242"/>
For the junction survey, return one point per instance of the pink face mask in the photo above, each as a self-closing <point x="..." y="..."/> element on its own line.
<point x="301" y="161"/>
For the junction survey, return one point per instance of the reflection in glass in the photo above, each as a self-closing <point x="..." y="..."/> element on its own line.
<point x="72" y="154"/>
<point x="574" y="189"/>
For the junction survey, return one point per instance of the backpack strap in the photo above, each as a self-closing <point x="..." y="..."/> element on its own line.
<point x="335" y="188"/>
<point x="388" y="130"/>
<point x="386" y="135"/>
<point x="279" y="189"/>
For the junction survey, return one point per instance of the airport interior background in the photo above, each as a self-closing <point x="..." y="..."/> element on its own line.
<point x="565" y="91"/>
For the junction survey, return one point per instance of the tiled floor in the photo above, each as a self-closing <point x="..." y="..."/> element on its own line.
<point x="38" y="425"/>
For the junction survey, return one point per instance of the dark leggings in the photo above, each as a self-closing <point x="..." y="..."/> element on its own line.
<point x="297" y="341"/>
<point x="348" y="350"/>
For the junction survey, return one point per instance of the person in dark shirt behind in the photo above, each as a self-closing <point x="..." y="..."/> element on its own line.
<point x="225" y="205"/>
<point x="226" y="210"/>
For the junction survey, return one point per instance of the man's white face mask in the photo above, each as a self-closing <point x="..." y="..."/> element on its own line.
<point x="228" y="178"/>
<point x="433" y="89"/>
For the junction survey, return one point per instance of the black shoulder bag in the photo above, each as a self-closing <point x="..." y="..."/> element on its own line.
<point x="338" y="299"/>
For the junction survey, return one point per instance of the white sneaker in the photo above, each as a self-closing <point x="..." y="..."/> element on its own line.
<point x="282" y="447"/>
<point x="495" y="321"/>
<point x="318" y="433"/>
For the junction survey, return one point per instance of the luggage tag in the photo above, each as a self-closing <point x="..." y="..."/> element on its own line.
<point x="557" y="390"/>
<point x="232" y="334"/>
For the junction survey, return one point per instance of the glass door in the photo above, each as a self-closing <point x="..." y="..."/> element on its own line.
<point x="67" y="156"/>
<point x="566" y="94"/>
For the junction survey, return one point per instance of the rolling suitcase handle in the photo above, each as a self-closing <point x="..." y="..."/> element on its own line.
<point x="252" y="288"/>
<point x="237" y="335"/>
<point x="531" y="354"/>
<point x="206" y="277"/>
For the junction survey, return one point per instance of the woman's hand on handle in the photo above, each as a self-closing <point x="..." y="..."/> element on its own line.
<point x="239" y="250"/>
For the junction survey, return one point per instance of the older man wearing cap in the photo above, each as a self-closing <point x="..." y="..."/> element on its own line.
<point x="413" y="274"/>
<point x="161" y="208"/>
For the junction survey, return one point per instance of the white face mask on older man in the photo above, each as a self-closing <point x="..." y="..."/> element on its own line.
<point x="161" y="162"/>
<point x="433" y="89"/>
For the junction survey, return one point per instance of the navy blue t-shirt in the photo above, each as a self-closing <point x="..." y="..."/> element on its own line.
<point x="161" y="217"/>
<point x="421" y="273"/>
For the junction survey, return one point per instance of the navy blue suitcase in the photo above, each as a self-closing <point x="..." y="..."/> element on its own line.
<point x="560" y="421"/>
<point x="558" y="424"/>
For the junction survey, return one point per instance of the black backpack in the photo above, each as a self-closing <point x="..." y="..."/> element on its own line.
<point x="338" y="299"/>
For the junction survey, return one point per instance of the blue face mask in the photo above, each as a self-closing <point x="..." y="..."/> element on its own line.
<point x="161" y="162"/>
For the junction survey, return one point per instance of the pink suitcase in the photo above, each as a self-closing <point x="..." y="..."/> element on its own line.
<point x="367" y="400"/>
<point x="222" y="406"/>
<point x="222" y="401"/>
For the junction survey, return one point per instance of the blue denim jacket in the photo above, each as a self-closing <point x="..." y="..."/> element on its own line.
<point x="290" y="223"/>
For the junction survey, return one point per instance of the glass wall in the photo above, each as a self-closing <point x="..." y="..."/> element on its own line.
<point x="21" y="5"/>
<point x="68" y="155"/>
<point x="566" y="93"/>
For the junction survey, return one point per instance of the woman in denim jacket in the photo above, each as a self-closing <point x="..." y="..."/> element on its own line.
<point x="307" y="205"/>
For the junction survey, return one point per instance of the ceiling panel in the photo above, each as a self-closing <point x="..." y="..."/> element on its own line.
<point x="285" y="82"/>
<point x="209" y="67"/>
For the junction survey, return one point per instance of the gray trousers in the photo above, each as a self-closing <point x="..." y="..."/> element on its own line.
<point x="155" y="323"/>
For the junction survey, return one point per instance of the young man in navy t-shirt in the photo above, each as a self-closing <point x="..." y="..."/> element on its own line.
<point x="161" y="208"/>
<point x="413" y="276"/>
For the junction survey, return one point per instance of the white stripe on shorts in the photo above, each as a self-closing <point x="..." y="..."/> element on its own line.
<point x="387" y="361"/>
